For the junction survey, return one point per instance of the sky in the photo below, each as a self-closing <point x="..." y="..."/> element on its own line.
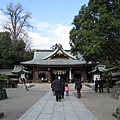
<point x="51" y="18"/>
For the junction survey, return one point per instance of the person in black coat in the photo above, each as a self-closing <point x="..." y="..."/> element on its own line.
<point x="101" y="86"/>
<point x="57" y="88"/>
<point x="62" y="89"/>
<point x="78" y="87"/>
<point x="52" y="86"/>
<point x="107" y="84"/>
<point x="1" y="87"/>
<point x="96" y="85"/>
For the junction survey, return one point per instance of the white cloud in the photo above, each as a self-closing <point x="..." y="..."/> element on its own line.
<point x="39" y="42"/>
<point x="2" y="20"/>
<point x="2" y="17"/>
<point x="43" y="25"/>
<point x="53" y="34"/>
<point x="46" y="35"/>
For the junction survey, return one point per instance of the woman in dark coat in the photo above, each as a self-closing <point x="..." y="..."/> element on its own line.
<point x="52" y="86"/>
<point x="78" y="87"/>
<point x="96" y="85"/>
<point x="62" y="89"/>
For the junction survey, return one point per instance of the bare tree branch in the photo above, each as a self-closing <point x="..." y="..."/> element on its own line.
<point x="17" y="23"/>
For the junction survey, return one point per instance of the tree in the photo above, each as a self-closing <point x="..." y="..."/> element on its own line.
<point x="96" y="31"/>
<point x="15" y="43"/>
<point x="17" y="23"/>
<point x="9" y="55"/>
<point x="106" y="74"/>
<point x="5" y="46"/>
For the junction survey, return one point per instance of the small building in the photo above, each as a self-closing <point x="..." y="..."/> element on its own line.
<point x="97" y="72"/>
<point x="115" y="72"/>
<point x="48" y="63"/>
<point x="20" y="72"/>
<point x="11" y="75"/>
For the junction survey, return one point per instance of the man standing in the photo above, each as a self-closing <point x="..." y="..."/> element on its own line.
<point x="96" y="85"/>
<point x="101" y="86"/>
<point x="57" y="88"/>
<point x="52" y="86"/>
<point x="107" y="84"/>
<point x="78" y="87"/>
<point x="62" y="89"/>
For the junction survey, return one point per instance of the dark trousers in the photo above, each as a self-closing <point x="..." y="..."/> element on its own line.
<point x="96" y="88"/>
<point x="100" y="89"/>
<point x="108" y="89"/>
<point x="58" y="95"/>
<point x="79" y="93"/>
<point x="67" y="93"/>
<point x="62" y="94"/>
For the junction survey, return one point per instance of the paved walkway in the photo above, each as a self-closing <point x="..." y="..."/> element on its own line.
<point x="70" y="108"/>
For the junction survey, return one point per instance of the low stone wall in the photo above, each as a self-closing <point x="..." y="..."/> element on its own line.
<point x="3" y="94"/>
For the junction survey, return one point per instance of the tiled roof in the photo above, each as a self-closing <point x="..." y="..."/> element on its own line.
<point x="55" y="62"/>
<point x="68" y="54"/>
<point x="17" y="68"/>
<point x="6" y="71"/>
<point x="41" y="57"/>
<point x="116" y="74"/>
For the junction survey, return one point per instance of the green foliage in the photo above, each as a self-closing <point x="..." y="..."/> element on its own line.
<point x="12" y="83"/>
<point x="106" y="74"/>
<point x="8" y="84"/>
<point x="96" y="32"/>
<point x="5" y="81"/>
<point x="12" y="55"/>
<point x="3" y="77"/>
<point x="13" y="44"/>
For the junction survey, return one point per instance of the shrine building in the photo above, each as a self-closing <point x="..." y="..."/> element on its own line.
<point x="48" y="63"/>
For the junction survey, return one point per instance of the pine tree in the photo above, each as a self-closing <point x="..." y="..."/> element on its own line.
<point x="96" y="31"/>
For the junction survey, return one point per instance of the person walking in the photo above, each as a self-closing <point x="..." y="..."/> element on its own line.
<point x="107" y="84"/>
<point x="62" y="89"/>
<point x="52" y="86"/>
<point x="78" y="87"/>
<point x="101" y="85"/>
<point x="96" y="85"/>
<point x="67" y="89"/>
<point x="57" y="88"/>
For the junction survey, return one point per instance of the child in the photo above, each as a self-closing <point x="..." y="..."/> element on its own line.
<point x="67" y="89"/>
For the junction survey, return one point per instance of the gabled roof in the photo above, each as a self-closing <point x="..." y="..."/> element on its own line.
<point x="58" y="56"/>
<point x="98" y="68"/>
<point x="115" y="71"/>
<point x="6" y="71"/>
<point x="59" y="51"/>
<point x="18" y="69"/>
<point x="114" y="68"/>
<point x="116" y="74"/>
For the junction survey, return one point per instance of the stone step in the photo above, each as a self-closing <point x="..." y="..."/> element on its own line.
<point x="118" y="110"/>
<point x="1" y="114"/>
<point x="116" y="115"/>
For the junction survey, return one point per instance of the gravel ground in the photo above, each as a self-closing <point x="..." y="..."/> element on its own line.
<point x="100" y="104"/>
<point x="18" y="102"/>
